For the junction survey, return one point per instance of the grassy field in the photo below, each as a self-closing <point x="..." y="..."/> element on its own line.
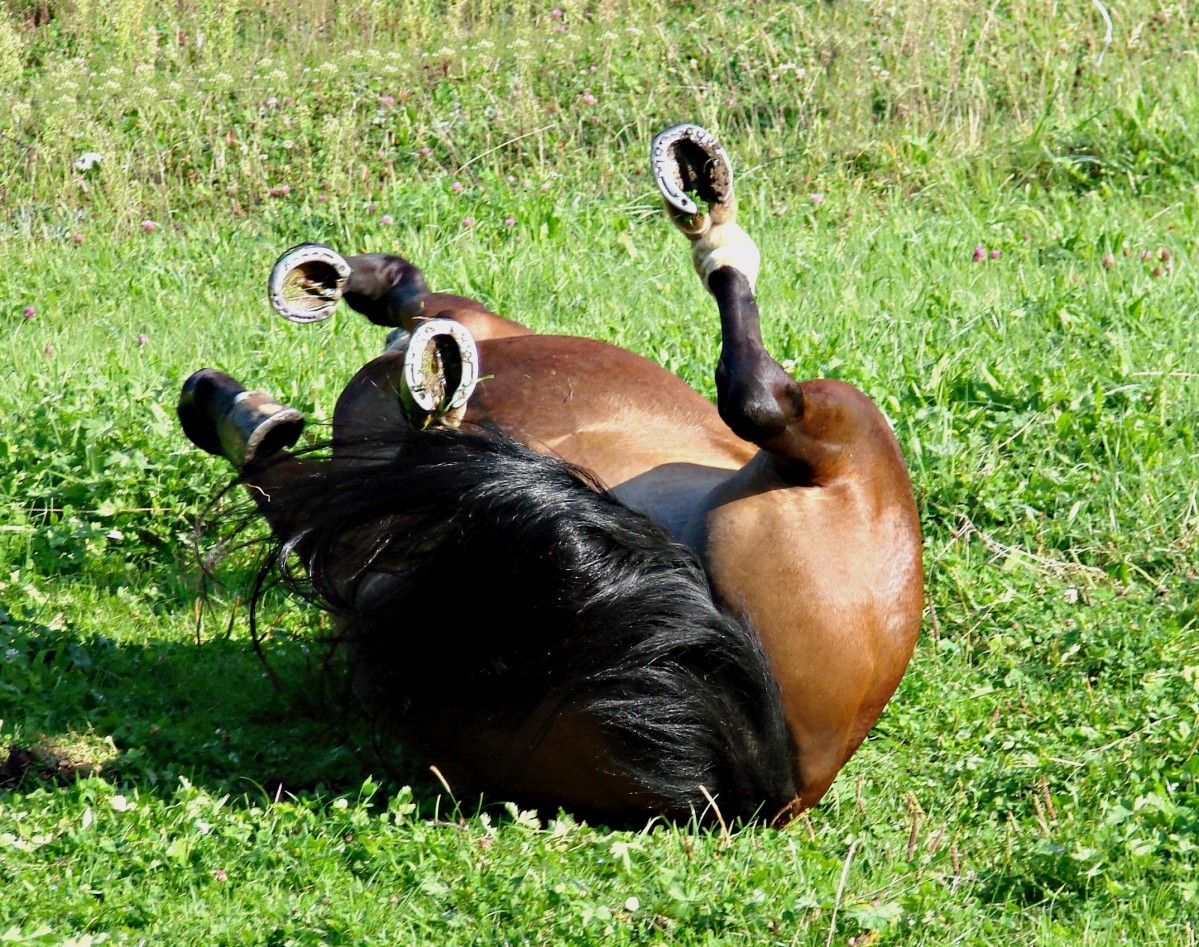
<point x="1036" y="778"/>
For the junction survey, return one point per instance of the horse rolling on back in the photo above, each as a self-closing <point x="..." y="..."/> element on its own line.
<point x="579" y="584"/>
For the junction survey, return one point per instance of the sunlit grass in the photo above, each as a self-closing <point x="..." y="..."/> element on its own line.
<point x="1035" y="779"/>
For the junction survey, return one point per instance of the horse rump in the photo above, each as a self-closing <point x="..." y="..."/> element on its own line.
<point x="485" y="593"/>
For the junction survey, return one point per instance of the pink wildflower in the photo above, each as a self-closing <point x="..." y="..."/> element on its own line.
<point x="387" y="219"/>
<point x="149" y="226"/>
<point x="996" y="254"/>
<point x="468" y="222"/>
<point x="29" y="313"/>
<point x="980" y="254"/>
<point x="587" y="98"/>
<point x="509" y="221"/>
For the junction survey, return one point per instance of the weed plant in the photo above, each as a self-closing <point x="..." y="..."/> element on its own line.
<point x="982" y="214"/>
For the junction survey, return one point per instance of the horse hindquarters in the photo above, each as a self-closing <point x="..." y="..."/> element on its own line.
<point x="534" y="638"/>
<point x="819" y="540"/>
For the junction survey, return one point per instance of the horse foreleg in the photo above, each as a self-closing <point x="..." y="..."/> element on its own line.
<point x="390" y="291"/>
<point x="252" y="431"/>
<point x="308" y="280"/>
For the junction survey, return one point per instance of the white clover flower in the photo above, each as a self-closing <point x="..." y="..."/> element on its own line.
<point x="88" y="160"/>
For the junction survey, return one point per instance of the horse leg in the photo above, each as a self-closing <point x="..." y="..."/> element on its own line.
<point x="427" y="382"/>
<point x="390" y="291"/>
<point x="307" y="281"/>
<point x="817" y="538"/>
<point x="252" y="431"/>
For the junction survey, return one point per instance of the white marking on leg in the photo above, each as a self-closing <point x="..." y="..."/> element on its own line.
<point x="726" y="245"/>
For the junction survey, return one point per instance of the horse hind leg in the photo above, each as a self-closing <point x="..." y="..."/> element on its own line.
<point x="756" y="398"/>
<point x="817" y="538"/>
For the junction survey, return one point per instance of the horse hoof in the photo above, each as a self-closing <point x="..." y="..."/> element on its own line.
<point x="441" y="368"/>
<point x="219" y="416"/>
<point x="306" y="283"/>
<point x="686" y="160"/>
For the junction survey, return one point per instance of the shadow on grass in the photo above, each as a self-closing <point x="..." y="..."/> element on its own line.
<point x="146" y="715"/>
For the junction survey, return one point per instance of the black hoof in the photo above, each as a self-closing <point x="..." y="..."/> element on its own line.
<point x="306" y="282"/>
<point x="441" y="368"/>
<point x="686" y="160"/>
<point x="219" y="416"/>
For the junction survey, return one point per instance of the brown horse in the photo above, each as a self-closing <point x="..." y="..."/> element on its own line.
<point x="583" y="585"/>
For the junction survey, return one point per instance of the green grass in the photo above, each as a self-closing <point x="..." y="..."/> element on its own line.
<point x="1035" y="778"/>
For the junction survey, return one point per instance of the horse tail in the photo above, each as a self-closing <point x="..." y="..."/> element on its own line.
<point x="473" y="578"/>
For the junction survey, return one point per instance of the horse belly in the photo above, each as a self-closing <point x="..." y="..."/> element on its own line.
<point x="637" y="427"/>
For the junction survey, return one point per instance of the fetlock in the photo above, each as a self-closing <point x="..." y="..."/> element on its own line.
<point x="224" y="419"/>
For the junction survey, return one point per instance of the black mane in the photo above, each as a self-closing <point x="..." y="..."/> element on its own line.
<point x="473" y="577"/>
